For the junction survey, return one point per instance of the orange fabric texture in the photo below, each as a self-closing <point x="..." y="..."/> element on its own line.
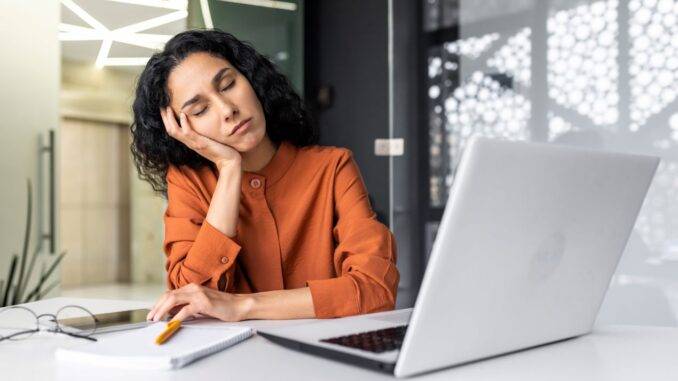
<point x="304" y="220"/>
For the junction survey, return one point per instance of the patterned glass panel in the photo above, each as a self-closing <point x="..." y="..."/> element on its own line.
<point x="600" y="74"/>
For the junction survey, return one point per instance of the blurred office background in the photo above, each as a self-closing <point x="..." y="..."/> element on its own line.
<point x="404" y="84"/>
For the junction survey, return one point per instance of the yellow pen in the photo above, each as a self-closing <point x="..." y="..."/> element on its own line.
<point x="172" y="327"/>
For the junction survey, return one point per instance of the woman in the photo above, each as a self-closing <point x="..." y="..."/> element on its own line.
<point x="261" y="223"/>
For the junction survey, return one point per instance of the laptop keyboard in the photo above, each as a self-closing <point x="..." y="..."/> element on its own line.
<point x="381" y="340"/>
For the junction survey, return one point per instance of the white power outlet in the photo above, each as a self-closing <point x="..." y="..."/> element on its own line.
<point x="389" y="147"/>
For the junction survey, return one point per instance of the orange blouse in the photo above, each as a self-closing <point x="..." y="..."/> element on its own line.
<point x="304" y="220"/>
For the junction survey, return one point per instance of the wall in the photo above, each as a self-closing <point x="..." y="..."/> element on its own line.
<point x="347" y="49"/>
<point x="88" y="92"/>
<point x="106" y="95"/>
<point x="29" y="73"/>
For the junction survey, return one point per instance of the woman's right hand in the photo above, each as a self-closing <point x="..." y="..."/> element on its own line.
<point x="218" y="153"/>
<point x="224" y="207"/>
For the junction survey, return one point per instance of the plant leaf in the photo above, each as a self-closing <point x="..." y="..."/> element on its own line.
<point x="45" y="275"/>
<point x="36" y="289"/>
<point x="42" y="279"/>
<point x="10" y="278"/>
<point x="27" y="238"/>
<point x="47" y="290"/>
<point x="53" y="266"/>
<point x="29" y="272"/>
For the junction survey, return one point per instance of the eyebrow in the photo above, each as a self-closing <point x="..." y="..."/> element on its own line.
<point x="215" y="81"/>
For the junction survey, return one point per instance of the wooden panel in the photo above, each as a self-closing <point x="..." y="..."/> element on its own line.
<point x="94" y="202"/>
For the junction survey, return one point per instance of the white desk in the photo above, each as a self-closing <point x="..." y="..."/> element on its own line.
<point x="609" y="353"/>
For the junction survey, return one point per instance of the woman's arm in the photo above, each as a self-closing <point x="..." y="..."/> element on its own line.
<point x="195" y="300"/>
<point x="281" y="304"/>
<point x="223" y="210"/>
<point x="197" y="252"/>
<point x="199" y="243"/>
<point x="365" y="254"/>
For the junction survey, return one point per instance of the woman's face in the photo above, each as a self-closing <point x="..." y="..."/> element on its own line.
<point x="216" y="98"/>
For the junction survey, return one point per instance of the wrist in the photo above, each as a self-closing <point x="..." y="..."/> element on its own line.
<point x="246" y="305"/>
<point x="230" y="165"/>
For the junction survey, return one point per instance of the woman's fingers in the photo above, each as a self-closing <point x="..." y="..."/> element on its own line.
<point x="205" y="146"/>
<point x="158" y="303"/>
<point x="192" y="139"/>
<point x="181" y="131"/>
<point x="193" y="300"/>
<point x="175" y="298"/>
<point x="174" y="129"/>
<point x="185" y="312"/>
<point x="174" y="310"/>
<point x="161" y="301"/>
<point x="190" y="294"/>
<point x="167" y="116"/>
<point x="183" y="122"/>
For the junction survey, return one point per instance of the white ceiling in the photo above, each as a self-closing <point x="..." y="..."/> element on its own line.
<point x="115" y="14"/>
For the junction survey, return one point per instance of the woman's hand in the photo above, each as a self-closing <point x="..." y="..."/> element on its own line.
<point x="194" y="300"/>
<point x="225" y="204"/>
<point x="218" y="153"/>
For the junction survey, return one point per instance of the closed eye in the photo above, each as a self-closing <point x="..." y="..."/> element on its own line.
<point x="229" y="86"/>
<point x="223" y="89"/>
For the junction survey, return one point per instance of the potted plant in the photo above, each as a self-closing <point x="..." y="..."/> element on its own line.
<point x="15" y="288"/>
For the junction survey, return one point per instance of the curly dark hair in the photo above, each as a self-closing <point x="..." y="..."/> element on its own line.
<point x="287" y="118"/>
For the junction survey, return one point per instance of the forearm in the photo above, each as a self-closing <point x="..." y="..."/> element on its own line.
<point x="225" y="204"/>
<point x="282" y="304"/>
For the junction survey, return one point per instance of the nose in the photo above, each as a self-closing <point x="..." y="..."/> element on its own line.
<point x="228" y="109"/>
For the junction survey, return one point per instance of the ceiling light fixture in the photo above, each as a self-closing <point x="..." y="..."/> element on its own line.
<point x="167" y="4"/>
<point x="129" y="34"/>
<point x="267" y="4"/>
<point x="206" y="14"/>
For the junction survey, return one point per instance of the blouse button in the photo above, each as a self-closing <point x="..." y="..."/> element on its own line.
<point x="224" y="260"/>
<point x="255" y="183"/>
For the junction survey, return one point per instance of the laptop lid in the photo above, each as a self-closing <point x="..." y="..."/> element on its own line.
<point x="529" y="239"/>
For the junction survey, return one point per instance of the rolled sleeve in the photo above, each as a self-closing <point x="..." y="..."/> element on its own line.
<point x="364" y="257"/>
<point x="211" y="255"/>
<point x="196" y="252"/>
<point x="334" y="297"/>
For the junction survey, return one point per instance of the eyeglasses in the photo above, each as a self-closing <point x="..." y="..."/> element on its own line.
<point x="18" y="322"/>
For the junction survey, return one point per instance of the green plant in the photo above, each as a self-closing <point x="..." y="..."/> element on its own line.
<point x="12" y="293"/>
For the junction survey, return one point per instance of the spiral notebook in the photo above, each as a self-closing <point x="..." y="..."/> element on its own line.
<point x="137" y="349"/>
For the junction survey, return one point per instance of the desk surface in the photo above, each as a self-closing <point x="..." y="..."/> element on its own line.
<point x="609" y="353"/>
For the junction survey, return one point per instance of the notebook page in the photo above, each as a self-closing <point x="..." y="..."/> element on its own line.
<point x="137" y="349"/>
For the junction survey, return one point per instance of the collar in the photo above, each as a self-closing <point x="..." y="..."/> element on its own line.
<point x="275" y="169"/>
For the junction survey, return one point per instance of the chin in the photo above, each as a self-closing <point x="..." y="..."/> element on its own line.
<point x="248" y="142"/>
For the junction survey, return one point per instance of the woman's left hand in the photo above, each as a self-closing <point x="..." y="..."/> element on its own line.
<point x="194" y="300"/>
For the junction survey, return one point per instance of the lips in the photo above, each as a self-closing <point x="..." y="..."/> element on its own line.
<point x="236" y="128"/>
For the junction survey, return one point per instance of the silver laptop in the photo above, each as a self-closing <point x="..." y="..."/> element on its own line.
<point x="529" y="240"/>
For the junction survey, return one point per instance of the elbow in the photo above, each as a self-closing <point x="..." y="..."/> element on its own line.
<point x="175" y="278"/>
<point x="173" y="281"/>
<point x="385" y="302"/>
<point x="390" y="289"/>
<point x="381" y="297"/>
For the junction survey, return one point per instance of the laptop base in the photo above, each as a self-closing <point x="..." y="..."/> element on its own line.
<point x="328" y="353"/>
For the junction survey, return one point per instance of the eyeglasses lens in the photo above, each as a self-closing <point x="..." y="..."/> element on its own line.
<point x="76" y="320"/>
<point x="14" y="320"/>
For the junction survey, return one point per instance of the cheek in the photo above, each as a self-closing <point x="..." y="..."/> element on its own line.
<point x="208" y="125"/>
<point x="249" y="96"/>
<point x="256" y="103"/>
